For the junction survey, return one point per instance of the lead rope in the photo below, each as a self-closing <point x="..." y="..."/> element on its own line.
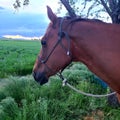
<point x="65" y="83"/>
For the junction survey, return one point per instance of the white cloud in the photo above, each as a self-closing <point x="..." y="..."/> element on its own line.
<point x="21" y="37"/>
<point x="21" y="29"/>
<point x="8" y="4"/>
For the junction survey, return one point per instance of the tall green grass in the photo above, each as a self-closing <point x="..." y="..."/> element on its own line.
<point x="21" y="98"/>
<point x="17" y="57"/>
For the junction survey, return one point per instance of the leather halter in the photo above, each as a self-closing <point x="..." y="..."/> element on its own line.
<point x="61" y="34"/>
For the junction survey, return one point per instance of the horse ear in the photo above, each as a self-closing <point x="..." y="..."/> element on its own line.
<point x="51" y="15"/>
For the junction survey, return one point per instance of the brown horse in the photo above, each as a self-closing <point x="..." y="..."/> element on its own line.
<point x="94" y="43"/>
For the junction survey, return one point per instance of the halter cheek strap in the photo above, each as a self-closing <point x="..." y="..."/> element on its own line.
<point x="62" y="34"/>
<point x="65" y="34"/>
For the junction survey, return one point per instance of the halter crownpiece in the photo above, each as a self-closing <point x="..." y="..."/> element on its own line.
<point x="64" y="34"/>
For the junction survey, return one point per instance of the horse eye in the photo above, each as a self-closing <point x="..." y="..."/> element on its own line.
<point x="43" y="43"/>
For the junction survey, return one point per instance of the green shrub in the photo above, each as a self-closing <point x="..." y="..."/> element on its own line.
<point x="9" y="109"/>
<point x="21" y="98"/>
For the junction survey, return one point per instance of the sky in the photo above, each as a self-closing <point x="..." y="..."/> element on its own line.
<point x="35" y="6"/>
<point x="29" y="21"/>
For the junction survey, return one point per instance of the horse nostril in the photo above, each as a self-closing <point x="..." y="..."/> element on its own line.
<point x="36" y="75"/>
<point x="40" y="77"/>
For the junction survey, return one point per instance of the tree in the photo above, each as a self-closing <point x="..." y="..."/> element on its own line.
<point x="18" y="4"/>
<point x="113" y="10"/>
<point x="112" y="7"/>
<point x="95" y="7"/>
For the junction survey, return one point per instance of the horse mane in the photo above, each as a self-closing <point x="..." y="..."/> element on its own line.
<point x="79" y="19"/>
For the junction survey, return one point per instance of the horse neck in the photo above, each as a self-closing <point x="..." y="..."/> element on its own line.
<point x="97" y="46"/>
<point x="84" y="40"/>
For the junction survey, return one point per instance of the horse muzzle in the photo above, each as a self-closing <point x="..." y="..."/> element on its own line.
<point x="40" y="77"/>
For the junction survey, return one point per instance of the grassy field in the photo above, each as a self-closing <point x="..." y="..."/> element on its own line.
<point x="21" y="98"/>
<point x="17" y="57"/>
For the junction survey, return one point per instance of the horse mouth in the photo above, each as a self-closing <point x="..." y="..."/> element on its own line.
<point x="40" y="78"/>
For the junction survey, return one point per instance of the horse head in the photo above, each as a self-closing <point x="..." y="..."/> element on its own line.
<point x="55" y="53"/>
